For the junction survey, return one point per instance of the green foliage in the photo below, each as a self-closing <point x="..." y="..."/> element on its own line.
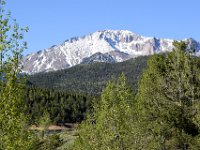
<point x="110" y="125"/>
<point x="168" y="101"/>
<point x="69" y="94"/>
<point x="14" y="132"/>
<point x="44" y="122"/>
<point x="62" y="106"/>
<point x="49" y="143"/>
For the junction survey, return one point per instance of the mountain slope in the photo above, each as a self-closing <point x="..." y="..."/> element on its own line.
<point x="101" y="46"/>
<point x="90" y="78"/>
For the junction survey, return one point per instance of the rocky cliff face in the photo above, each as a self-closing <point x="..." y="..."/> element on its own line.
<point x="103" y="46"/>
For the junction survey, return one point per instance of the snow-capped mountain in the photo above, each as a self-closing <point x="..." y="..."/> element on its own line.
<point x="102" y="46"/>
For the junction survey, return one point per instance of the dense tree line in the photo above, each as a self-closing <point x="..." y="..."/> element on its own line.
<point x="62" y="106"/>
<point x="110" y="125"/>
<point x="165" y="113"/>
<point x="68" y="94"/>
<point x="90" y="78"/>
<point x="168" y="101"/>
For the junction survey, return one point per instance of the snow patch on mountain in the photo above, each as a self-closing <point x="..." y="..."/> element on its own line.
<point x="102" y="46"/>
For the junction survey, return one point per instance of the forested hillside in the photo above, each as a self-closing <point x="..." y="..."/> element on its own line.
<point x="68" y="94"/>
<point x="90" y="78"/>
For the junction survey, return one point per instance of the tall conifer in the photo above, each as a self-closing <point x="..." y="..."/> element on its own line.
<point x="167" y="101"/>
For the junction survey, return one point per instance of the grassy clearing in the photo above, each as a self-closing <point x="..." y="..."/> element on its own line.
<point x="65" y="135"/>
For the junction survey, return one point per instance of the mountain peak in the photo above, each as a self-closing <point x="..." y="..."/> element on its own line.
<point x="103" y="46"/>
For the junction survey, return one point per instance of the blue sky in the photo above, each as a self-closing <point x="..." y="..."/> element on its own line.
<point x="53" y="21"/>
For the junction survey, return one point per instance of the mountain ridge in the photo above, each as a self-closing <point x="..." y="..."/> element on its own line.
<point x="109" y="46"/>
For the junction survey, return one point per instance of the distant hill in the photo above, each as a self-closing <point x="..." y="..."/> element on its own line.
<point x="90" y="78"/>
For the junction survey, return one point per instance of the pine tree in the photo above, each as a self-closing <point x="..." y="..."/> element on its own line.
<point x="167" y="101"/>
<point x="111" y="123"/>
<point x="14" y="133"/>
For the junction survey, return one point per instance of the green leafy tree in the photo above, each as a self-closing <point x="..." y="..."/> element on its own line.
<point x="168" y="101"/>
<point x="52" y="142"/>
<point x="14" y="133"/>
<point x="44" y="122"/>
<point x="111" y="124"/>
